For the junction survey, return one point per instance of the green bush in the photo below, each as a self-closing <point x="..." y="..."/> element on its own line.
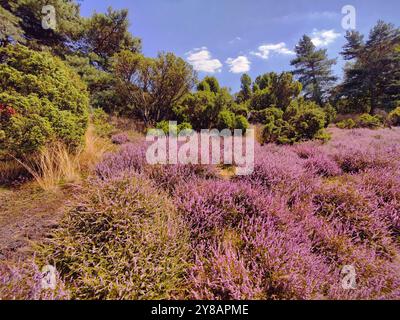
<point x="346" y="124"/>
<point x="47" y="100"/>
<point x="302" y="120"/>
<point x="394" y="117"/>
<point x="101" y="123"/>
<point x="330" y="113"/>
<point x="276" y="129"/>
<point x="124" y="240"/>
<point x="307" y="119"/>
<point x="368" y="121"/>
<point x="164" y="126"/>
<point x="241" y="123"/>
<point x="226" y="120"/>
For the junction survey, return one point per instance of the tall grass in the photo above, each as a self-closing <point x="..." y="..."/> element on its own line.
<point x="56" y="165"/>
<point x="10" y="170"/>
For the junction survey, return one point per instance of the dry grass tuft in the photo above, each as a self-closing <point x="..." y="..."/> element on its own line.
<point x="55" y="164"/>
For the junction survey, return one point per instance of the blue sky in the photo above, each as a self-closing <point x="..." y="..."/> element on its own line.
<point x="228" y="37"/>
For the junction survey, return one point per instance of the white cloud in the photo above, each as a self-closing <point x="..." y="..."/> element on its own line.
<point x="237" y="39"/>
<point x="201" y="60"/>
<point x="265" y="50"/>
<point x="323" y="38"/>
<point x="239" y="65"/>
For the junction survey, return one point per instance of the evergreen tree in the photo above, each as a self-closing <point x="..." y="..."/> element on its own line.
<point x="314" y="70"/>
<point x="29" y="13"/>
<point x="245" y="89"/>
<point x="372" y="76"/>
<point x="107" y="34"/>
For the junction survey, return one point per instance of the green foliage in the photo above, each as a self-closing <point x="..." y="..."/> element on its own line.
<point x="394" y="117"/>
<point x="101" y="123"/>
<point x="346" y="124"/>
<point x="245" y="92"/>
<point x="151" y="88"/>
<point x="274" y="90"/>
<point x="307" y="119"/>
<point x="303" y="120"/>
<point x="101" y="84"/>
<point x="368" y="121"/>
<point x="226" y="120"/>
<point x="241" y="123"/>
<point x="106" y="34"/>
<point x="175" y="129"/>
<point x="277" y="130"/>
<point x="69" y="25"/>
<point x="330" y="113"/>
<point x="49" y="101"/>
<point x="209" y="84"/>
<point x="314" y="70"/>
<point x="372" y="76"/>
<point x="124" y="240"/>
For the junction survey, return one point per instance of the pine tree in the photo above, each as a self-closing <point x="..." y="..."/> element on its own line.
<point x="245" y="89"/>
<point x="372" y="76"/>
<point x="314" y="70"/>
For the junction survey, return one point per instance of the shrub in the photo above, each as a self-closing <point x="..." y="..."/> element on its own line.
<point x="346" y="124"/>
<point x="330" y="113"/>
<point x="368" y="121"/>
<point x="241" y="123"/>
<point x="130" y="158"/>
<point x="307" y="119"/>
<point x="322" y="165"/>
<point x="101" y="123"/>
<point x="165" y="127"/>
<point x="120" y="138"/>
<point x="301" y="121"/>
<point x="124" y="240"/>
<point x="23" y="281"/>
<point x="394" y="117"/>
<point x="226" y="120"/>
<point x="41" y="100"/>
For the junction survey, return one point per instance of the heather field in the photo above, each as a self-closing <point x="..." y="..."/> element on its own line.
<point x="137" y="231"/>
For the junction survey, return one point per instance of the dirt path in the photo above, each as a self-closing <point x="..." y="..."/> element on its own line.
<point x="28" y="215"/>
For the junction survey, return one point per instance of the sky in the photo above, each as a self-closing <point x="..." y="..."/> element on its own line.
<point x="226" y="38"/>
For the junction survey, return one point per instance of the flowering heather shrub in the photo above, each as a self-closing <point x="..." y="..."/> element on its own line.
<point x="269" y="261"/>
<point x="170" y="176"/>
<point x="131" y="157"/>
<point x="322" y="165"/>
<point x="306" y="150"/>
<point x="223" y="274"/>
<point x="123" y="240"/>
<point x="280" y="170"/>
<point x="385" y="186"/>
<point x="210" y="206"/>
<point x="120" y="138"/>
<point x="22" y="281"/>
<point x="355" y="214"/>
